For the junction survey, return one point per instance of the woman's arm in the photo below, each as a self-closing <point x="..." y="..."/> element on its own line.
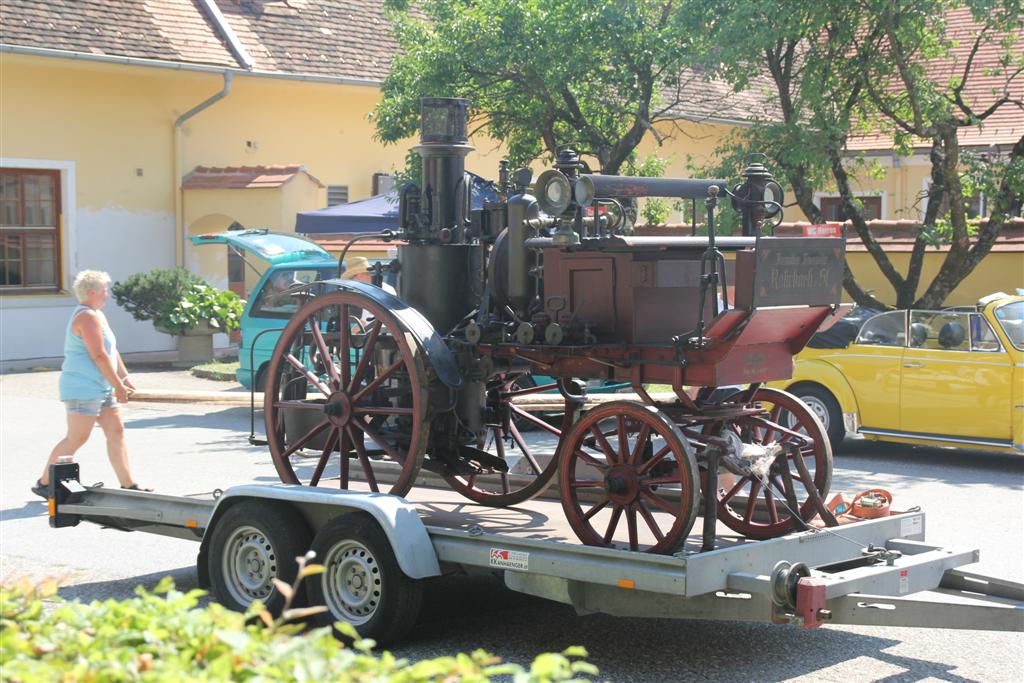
<point x="88" y="326"/>
<point x="122" y="372"/>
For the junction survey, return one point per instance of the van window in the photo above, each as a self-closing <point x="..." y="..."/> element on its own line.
<point x="273" y="301"/>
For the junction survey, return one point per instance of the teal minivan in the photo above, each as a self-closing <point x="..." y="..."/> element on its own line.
<point x="292" y="260"/>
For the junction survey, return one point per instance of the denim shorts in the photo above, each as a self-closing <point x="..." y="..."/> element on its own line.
<point x="91" y="407"/>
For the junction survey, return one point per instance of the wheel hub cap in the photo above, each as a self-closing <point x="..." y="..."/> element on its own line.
<point x="338" y="408"/>
<point x="353" y="582"/>
<point x="622" y="484"/>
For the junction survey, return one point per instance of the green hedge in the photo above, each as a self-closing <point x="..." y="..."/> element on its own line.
<point x="165" y="636"/>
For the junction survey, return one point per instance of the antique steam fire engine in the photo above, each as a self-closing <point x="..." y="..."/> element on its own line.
<point x="550" y="281"/>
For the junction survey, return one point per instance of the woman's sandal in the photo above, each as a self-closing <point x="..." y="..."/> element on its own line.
<point x="40" y="489"/>
<point x="136" y="487"/>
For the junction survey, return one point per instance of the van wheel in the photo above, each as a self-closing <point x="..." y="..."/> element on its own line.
<point x="261" y="379"/>
<point x="362" y="583"/>
<point x="253" y="544"/>
<point x="826" y="408"/>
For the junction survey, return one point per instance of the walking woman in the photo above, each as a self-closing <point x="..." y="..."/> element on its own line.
<point x="93" y="381"/>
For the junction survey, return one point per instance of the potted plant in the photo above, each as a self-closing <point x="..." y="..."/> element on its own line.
<point x="181" y="303"/>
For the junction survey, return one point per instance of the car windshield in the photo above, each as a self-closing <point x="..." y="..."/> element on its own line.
<point x="886" y="329"/>
<point x="1011" y="319"/>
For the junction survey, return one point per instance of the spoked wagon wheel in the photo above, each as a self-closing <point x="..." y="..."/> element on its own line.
<point x="530" y="469"/>
<point x="346" y="378"/>
<point x="628" y="479"/>
<point x="752" y="496"/>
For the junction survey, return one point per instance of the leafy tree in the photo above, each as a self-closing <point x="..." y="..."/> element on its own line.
<point x="596" y="74"/>
<point x="842" y="69"/>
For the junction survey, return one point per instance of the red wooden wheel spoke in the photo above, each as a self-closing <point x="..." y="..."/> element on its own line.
<point x="734" y="490"/>
<point x="634" y="542"/>
<point x="382" y="410"/>
<point x="769" y="499"/>
<point x="612" y="523"/>
<point x="299" y="405"/>
<point x="325" y="355"/>
<point x="587" y="484"/>
<point x="379" y="440"/>
<point x="535" y="421"/>
<point x="609" y="452"/>
<point x="383" y="377"/>
<point x="601" y="505"/>
<point x="306" y="438"/>
<point x="755" y="488"/>
<point x="529" y="390"/>
<point x="773" y="421"/>
<point x="332" y="438"/>
<point x="659" y="481"/>
<point x="641" y="443"/>
<point x="658" y="501"/>
<point x="345" y="346"/>
<point x="655" y="459"/>
<point x="343" y="446"/>
<point x="648" y="516"/>
<point x="310" y="377"/>
<point x="586" y="457"/>
<point x="523" y="448"/>
<point x="364" y="460"/>
<point x="364" y="359"/>
<point x="620" y="423"/>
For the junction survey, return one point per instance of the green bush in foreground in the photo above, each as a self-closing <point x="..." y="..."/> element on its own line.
<point x="164" y="636"/>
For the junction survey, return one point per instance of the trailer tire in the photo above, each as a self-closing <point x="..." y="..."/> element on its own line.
<point x="253" y="543"/>
<point x="362" y="583"/>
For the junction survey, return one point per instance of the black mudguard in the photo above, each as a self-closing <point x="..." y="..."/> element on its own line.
<point x="439" y="355"/>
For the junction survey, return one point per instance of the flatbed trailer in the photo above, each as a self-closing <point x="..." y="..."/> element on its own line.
<point x="380" y="551"/>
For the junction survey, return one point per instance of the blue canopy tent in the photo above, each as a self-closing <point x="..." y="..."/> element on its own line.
<point x="375" y="213"/>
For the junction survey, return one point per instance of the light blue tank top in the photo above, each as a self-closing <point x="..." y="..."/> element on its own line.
<point x="80" y="379"/>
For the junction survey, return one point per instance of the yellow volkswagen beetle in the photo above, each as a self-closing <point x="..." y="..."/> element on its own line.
<point x="953" y="377"/>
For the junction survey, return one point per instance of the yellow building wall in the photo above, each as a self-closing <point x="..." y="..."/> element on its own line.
<point x="999" y="271"/>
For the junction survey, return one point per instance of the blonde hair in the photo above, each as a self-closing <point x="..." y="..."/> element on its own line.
<point x="89" y="280"/>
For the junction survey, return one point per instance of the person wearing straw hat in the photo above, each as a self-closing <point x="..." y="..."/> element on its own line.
<point x="358" y="268"/>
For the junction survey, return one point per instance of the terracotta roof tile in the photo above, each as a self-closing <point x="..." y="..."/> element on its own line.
<point x="1006" y="125"/>
<point x="242" y="177"/>
<point x="168" y="30"/>
<point x="349" y="38"/>
<point x="700" y="96"/>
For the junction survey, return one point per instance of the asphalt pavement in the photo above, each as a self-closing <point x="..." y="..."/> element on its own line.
<point x="971" y="498"/>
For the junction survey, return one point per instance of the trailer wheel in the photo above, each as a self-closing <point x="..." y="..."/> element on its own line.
<point x="252" y="544"/>
<point x="362" y="583"/>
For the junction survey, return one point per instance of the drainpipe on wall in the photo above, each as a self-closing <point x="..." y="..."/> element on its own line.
<point x="179" y="195"/>
<point x="221" y="24"/>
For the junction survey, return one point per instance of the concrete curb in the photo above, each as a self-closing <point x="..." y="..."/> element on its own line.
<point x="195" y="396"/>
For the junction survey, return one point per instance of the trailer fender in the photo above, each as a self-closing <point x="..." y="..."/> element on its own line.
<point x="399" y="520"/>
<point x="438" y="354"/>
